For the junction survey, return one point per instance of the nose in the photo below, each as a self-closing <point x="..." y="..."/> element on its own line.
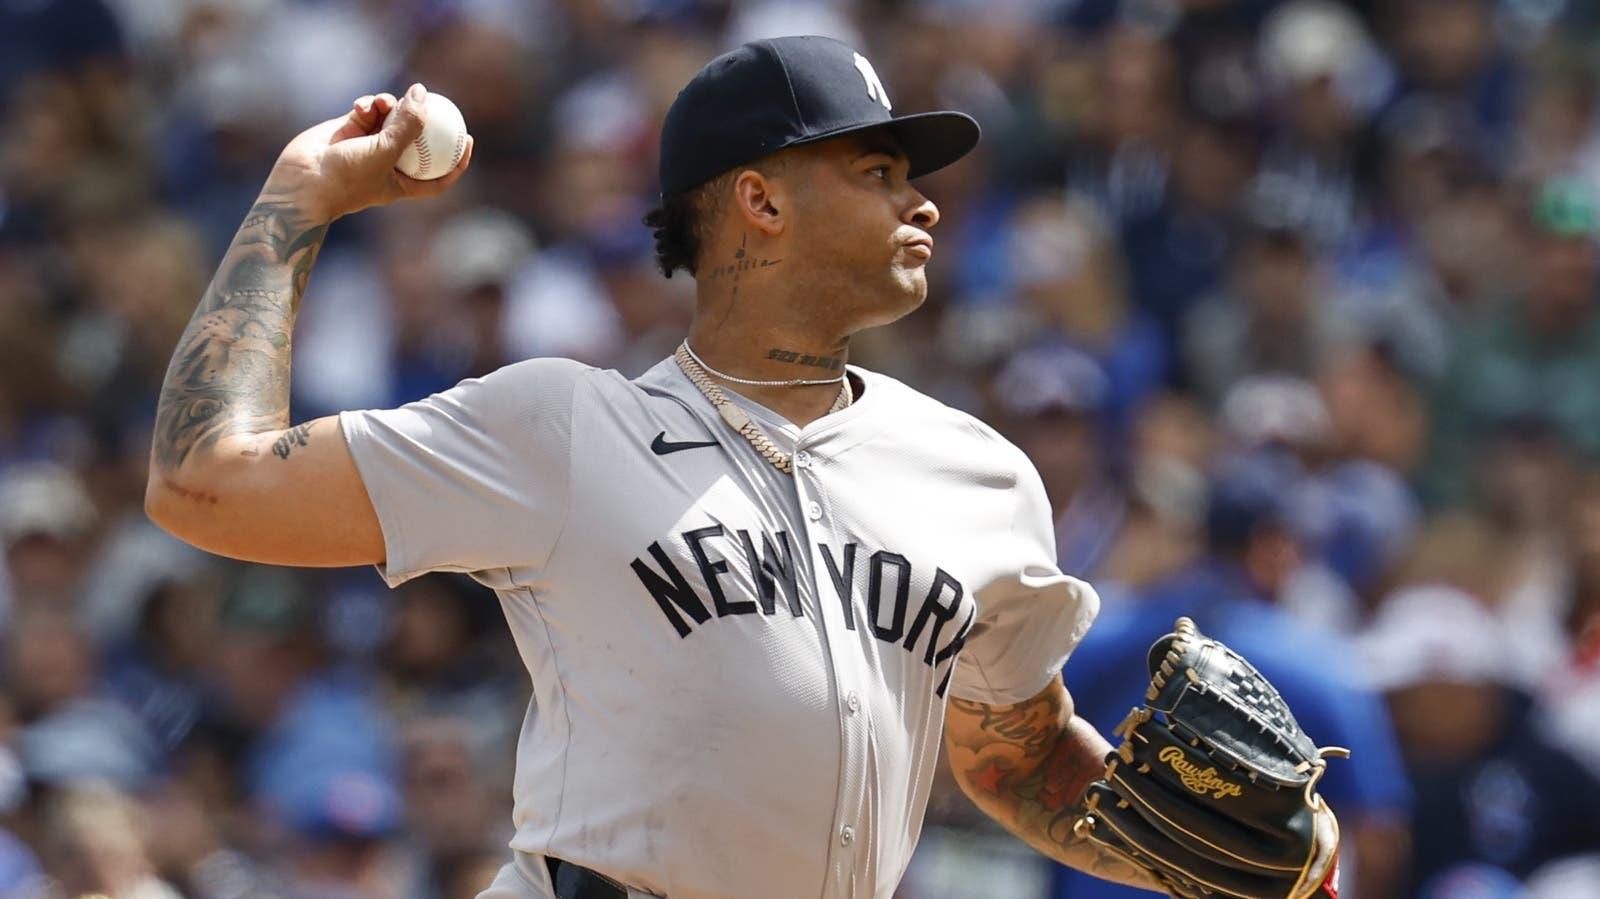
<point x="921" y="213"/>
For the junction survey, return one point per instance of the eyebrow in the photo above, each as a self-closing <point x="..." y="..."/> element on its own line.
<point x="874" y="144"/>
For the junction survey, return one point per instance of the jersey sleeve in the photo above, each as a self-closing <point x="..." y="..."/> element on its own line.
<point x="1030" y="621"/>
<point x="474" y="478"/>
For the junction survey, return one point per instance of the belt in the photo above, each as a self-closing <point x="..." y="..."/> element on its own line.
<point x="577" y="882"/>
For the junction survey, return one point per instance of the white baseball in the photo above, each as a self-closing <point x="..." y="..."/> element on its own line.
<point x="438" y="148"/>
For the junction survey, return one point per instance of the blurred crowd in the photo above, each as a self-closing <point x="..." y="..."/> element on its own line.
<point x="1294" y="305"/>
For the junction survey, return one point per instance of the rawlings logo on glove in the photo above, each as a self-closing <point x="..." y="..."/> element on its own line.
<point x="1202" y="782"/>
<point x="1208" y="711"/>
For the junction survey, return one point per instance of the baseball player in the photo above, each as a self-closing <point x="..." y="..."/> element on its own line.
<point x="751" y="587"/>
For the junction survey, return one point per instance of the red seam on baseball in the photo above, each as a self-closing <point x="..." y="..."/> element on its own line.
<point x="424" y="157"/>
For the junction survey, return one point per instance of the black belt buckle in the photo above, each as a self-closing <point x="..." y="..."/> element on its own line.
<point x="577" y="882"/>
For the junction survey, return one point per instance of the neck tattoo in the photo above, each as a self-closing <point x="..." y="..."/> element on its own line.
<point x="740" y="420"/>
<point x="790" y="382"/>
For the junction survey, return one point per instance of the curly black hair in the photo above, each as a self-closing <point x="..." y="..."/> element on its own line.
<point x="685" y="221"/>
<point x="672" y="223"/>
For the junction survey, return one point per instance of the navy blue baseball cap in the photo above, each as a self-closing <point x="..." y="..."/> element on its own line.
<point x="770" y="94"/>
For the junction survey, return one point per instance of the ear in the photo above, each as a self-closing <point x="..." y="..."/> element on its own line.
<point x="761" y="201"/>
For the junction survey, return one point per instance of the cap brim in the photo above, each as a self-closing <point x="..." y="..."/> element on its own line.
<point x="933" y="140"/>
<point x="930" y="140"/>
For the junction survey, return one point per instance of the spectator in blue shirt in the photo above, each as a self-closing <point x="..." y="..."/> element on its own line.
<point x="1229" y="593"/>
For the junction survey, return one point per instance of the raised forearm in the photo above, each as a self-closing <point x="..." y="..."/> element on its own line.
<point x="1026" y="765"/>
<point x="227" y="472"/>
<point x="230" y="373"/>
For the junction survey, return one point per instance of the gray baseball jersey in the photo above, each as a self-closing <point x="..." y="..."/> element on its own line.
<point x="738" y="675"/>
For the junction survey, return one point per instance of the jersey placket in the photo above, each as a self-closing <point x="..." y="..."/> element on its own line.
<point x="847" y="871"/>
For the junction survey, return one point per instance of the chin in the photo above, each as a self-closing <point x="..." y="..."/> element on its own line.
<point x="914" y="287"/>
<point x="905" y="292"/>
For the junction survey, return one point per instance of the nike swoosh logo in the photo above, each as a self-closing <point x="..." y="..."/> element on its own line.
<point x="662" y="446"/>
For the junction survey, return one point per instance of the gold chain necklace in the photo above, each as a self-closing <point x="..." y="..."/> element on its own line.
<point x="736" y="417"/>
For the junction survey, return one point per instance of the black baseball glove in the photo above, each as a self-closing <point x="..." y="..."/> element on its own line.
<point x="1213" y="790"/>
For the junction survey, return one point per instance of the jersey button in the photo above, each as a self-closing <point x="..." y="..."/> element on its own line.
<point x="802" y="459"/>
<point x="847" y="835"/>
<point x="853" y="702"/>
<point x="813" y="510"/>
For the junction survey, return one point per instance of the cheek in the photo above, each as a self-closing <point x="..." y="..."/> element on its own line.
<point x="850" y="224"/>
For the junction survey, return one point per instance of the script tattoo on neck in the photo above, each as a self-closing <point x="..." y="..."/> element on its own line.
<point x="230" y="373"/>
<point x="742" y="263"/>
<point x="830" y="363"/>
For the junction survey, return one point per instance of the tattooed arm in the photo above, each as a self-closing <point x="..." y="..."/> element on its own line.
<point x="227" y="471"/>
<point x="1026" y="765"/>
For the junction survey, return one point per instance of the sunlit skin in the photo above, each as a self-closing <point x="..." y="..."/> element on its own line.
<point x="847" y="236"/>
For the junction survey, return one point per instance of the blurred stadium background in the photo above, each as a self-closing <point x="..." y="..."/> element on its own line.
<point x="1293" y="303"/>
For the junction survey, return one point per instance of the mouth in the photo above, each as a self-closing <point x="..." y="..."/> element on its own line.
<point x="921" y="248"/>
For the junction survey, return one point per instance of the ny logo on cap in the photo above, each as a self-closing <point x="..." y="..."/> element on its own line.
<point x="874" y="86"/>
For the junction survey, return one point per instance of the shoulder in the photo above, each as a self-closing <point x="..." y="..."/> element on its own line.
<point x="547" y="384"/>
<point x="911" y="408"/>
<point x="541" y="389"/>
<point x="531" y="399"/>
<point x="955" y="442"/>
<point x="539" y="372"/>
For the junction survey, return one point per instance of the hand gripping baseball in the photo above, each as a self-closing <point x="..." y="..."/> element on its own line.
<point x="347" y="164"/>
<point x="1213" y="790"/>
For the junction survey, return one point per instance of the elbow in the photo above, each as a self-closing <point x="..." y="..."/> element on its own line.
<point x="158" y="503"/>
<point x="179" y="509"/>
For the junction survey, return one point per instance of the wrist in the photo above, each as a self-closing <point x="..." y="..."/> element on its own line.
<point x="1085" y="744"/>
<point x="291" y="184"/>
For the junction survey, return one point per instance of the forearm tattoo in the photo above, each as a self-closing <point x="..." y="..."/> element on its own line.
<point x="1027" y="765"/>
<point x="230" y="373"/>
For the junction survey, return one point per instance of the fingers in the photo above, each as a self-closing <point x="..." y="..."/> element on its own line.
<point x="411" y="187"/>
<point x="366" y="116"/>
<point x="363" y="116"/>
<point x="404" y="123"/>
